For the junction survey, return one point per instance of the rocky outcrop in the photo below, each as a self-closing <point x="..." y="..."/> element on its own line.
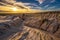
<point x="40" y="26"/>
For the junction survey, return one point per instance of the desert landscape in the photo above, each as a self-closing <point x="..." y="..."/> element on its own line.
<point x="36" y="26"/>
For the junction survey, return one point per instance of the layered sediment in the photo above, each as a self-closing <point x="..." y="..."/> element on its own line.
<point x="38" y="26"/>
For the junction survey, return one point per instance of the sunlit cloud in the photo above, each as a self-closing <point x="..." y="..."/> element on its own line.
<point x="40" y="1"/>
<point x="20" y="4"/>
<point x="35" y="4"/>
<point x="9" y="1"/>
<point x="14" y="6"/>
<point x="30" y="5"/>
<point x="13" y="3"/>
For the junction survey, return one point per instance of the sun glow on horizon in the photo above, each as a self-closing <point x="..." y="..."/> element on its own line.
<point x="14" y="9"/>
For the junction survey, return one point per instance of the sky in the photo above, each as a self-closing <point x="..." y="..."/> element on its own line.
<point x="34" y="4"/>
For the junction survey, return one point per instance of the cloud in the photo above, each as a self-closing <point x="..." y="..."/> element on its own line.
<point x="20" y="4"/>
<point x="52" y="1"/>
<point x="46" y="6"/>
<point x="32" y="5"/>
<point x="40" y="1"/>
<point x="51" y="8"/>
<point x="45" y="1"/>
<point x="29" y="5"/>
<point x="41" y="5"/>
<point x="13" y="3"/>
<point x="8" y="1"/>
